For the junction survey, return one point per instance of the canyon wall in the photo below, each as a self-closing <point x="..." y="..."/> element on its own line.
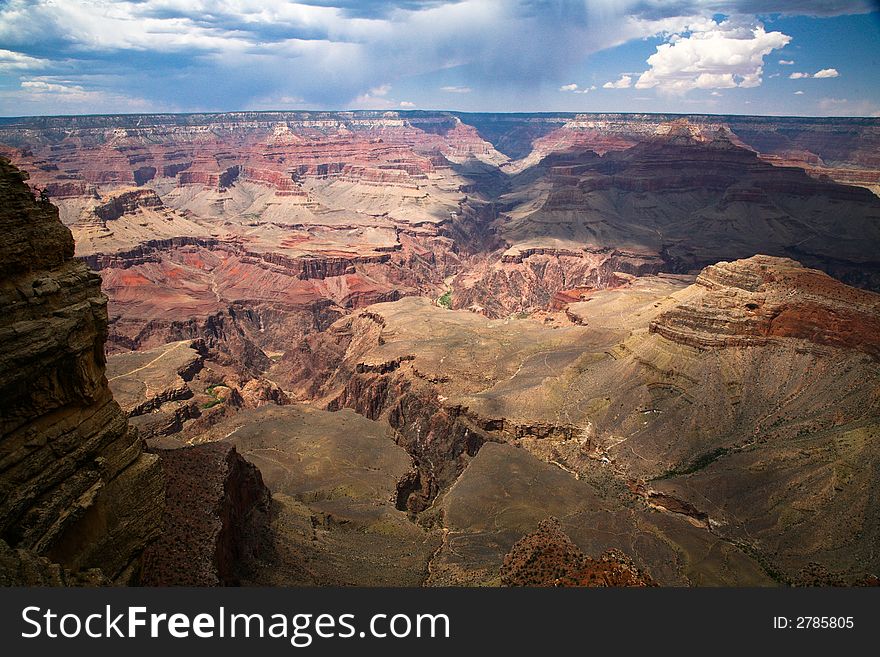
<point x="75" y="483"/>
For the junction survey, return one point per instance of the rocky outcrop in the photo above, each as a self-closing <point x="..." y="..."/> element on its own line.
<point x="215" y="517"/>
<point x="762" y="299"/>
<point x="75" y="484"/>
<point x="147" y="251"/>
<point x="68" y="189"/>
<point x="163" y="388"/>
<point x="540" y="278"/>
<point x="548" y="557"/>
<point x="142" y="381"/>
<point x="128" y="202"/>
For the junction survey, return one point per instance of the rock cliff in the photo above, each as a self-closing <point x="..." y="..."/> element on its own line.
<point x="75" y="483"/>
<point x="215" y="517"/>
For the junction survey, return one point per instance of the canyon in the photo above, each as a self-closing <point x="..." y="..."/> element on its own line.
<point x="440" y="348"/>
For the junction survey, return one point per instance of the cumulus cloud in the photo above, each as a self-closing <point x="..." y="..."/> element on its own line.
<point x="824" y="73"/>
<point x="329" y="52"/>
<point x="711" y="55"/>
<point x="786" y="62"/>
<point x="407" y="103"/>
<point x="798" y="93"/>
<point x="375" y="98"/>
<point x="624" y="82"/>
<point x="568" y="87"/>
<point x="381" y="90"/>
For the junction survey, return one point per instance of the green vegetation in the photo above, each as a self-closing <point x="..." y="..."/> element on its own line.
<point x="446" y="300"/>
<point x="211" y="390"/>
<point x="698" y="463"/>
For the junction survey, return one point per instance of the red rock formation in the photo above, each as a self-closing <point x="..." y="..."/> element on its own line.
<point x="276" y="151"/>
<point x="547" y="557"/>
<point x="525" y="280"/>
<point x="757" y="300"/>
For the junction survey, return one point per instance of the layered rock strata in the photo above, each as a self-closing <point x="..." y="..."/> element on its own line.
<point x="762" y="299"/>
<point x="75" y="483"/>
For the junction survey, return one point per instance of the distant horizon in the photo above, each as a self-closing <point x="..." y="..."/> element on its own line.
<point x="7" y="118"/>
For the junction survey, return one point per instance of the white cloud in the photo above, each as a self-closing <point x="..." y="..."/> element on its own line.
<point x="37" y="93"/>
<point x="568" y="87"/>
<point x="824" y="73"/>
<point x="798" y="93"/>
<point x="711" y="56"/>
<point x="715" y="93"/>
<point x="375" y="98"/>
<point x="16" y="61"/>
<point x="456" y="90"/>
<point x="586" y="90"/>
<point x="786" y="62"/>
<point x="407" y="103"/>
<point x="624" y="82"/>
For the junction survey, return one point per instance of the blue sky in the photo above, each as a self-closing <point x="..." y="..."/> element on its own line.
<point x="802" y="57"/>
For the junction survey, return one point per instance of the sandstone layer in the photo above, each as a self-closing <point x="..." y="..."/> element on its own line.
<point x="758" y="300"/>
